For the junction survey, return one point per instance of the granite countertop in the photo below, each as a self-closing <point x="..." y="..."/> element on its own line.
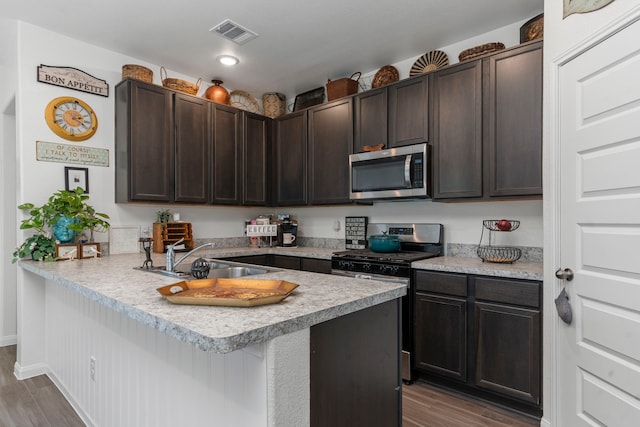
<point x="517" y="270"/>
<point x="112" y="282"/>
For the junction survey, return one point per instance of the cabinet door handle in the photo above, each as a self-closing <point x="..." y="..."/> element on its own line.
<point x="566" y="274"/>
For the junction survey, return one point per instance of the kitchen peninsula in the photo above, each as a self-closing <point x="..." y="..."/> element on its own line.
<point x="124" y="356"/>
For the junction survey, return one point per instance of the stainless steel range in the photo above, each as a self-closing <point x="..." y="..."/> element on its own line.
<point x="417" y="242"/>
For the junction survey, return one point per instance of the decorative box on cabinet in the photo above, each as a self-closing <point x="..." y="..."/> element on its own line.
<point x="170" y="233"/>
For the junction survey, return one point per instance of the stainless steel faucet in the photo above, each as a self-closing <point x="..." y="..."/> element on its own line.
<point x="171" y="264"/>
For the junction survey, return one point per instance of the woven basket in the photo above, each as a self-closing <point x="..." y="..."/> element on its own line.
<point x="179" y="84"/>
<point x="273" y="104"/>
<point x="342" y="87"/>
<point x="137" y="72"/>
<point x="477" y="51"/>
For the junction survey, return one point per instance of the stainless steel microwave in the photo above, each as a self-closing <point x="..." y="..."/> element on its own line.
<point x="400" y="172"/>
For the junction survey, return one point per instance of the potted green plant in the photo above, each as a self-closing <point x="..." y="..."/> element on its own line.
<point x="63" y="210"/>
<point x="39" y="246"/>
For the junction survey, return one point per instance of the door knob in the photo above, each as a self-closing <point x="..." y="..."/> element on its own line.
<point x="566" y="274"/>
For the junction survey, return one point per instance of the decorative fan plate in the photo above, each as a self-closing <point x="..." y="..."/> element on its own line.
<point x="430" y="61"/>
<point x="385" y="75"/>
<point x="244" y="101"/>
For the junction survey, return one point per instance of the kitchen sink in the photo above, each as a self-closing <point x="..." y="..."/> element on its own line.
<point x="236" y="272"/>
<point x="217" y="269"/>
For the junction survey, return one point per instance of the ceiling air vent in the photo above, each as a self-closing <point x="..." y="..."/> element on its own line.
<point x="234" y="32"/>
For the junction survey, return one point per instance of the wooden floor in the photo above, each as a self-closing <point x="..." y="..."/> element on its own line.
<point x="427" y="406"/>
<point x="37" y="402"/>
<point x="33" y="402"/>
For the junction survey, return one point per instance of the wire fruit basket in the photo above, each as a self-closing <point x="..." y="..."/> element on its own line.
<point x="498" y="254"/>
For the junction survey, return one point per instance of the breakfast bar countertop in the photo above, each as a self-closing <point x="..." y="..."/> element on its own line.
<point x="113" y="282"/>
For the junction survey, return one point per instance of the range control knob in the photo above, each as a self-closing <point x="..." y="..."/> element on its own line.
<point x="366" y="266"/>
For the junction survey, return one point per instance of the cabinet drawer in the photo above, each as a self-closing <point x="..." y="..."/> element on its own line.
<point x="441" y="283"/>
<point x="508" y="291"/>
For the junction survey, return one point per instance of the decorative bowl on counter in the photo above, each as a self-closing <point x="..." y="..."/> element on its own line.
<point x="384" y="243"/>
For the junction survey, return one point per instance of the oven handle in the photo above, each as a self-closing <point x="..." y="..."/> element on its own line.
<point x="382" y="278"/>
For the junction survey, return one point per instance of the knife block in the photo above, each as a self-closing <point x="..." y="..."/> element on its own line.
<point x="169" y="233"/>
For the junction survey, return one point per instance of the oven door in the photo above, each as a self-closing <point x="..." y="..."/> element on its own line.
<point x="407" y="315"/>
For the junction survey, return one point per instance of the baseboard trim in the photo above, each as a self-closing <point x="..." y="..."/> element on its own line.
<point x="72" y="401"/>
<point x="26" y="372"/>
<point x="8" y="340"/>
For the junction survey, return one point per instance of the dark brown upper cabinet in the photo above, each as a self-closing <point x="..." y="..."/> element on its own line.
<point x="192" y="136"/>
<point x="371" y="122"/>
<point x="226" y="156"/>
<point x="486" y="126"/>
<point x="456" y="95"/>
<point x="409" y="111"/>
<point x="256" y="162"/>
<point x="144" y="142"/>
<point x="513" y="121"/>
<point x="330" y="141"/>
<point x="393" y="115"/>
<point x="290" y="154"/>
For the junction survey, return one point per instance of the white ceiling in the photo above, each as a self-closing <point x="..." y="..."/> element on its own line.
<point x="300" y="45"/>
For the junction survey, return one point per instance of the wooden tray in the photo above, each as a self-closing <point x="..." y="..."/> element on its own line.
<point x="227" y="292"/>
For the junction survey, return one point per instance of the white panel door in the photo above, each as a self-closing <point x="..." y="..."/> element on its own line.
<point x="599" y="353"/>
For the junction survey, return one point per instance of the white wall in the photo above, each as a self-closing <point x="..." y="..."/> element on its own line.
<point x="38" y="46"/>
<point x="8" y="52"/>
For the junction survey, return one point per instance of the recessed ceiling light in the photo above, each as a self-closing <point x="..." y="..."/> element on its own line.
<point x="227" y="59"/>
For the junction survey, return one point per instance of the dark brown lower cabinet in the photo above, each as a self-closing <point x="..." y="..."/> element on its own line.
<point x="281" y="261"/>
<point x="481" y="335"/>
<point x="290" y="262"/>
<point x="355" y="369"/>
<point x="441" y="322"/>
<point x="508" y="352"/>
<point x="315" y="265"/>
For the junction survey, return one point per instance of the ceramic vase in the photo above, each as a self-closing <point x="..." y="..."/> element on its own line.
<point x="61" y="230"/>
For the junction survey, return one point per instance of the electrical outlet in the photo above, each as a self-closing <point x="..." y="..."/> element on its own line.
<point x="92" y="368"/>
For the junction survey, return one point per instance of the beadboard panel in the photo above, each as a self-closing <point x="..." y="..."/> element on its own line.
<point x="144" y="377"/>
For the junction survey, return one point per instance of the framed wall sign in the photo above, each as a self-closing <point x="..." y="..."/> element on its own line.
<point x="67" y="251"/>
<point x="72" y="78"/>
<point x="76" y="177"/>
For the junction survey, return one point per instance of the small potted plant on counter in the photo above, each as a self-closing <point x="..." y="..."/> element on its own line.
<point x="65" y="213"/>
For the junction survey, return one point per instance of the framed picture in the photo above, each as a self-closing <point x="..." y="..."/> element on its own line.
<point x="67" y="251"/>
<point x="76" y="177"/>
<point x="89" y="250"/>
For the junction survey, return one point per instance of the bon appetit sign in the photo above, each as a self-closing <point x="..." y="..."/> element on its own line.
<point x="72" y="78"/>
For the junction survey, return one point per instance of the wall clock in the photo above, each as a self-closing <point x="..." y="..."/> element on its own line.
<point x="582" y="6"/>
<point x="71" y="118"/>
